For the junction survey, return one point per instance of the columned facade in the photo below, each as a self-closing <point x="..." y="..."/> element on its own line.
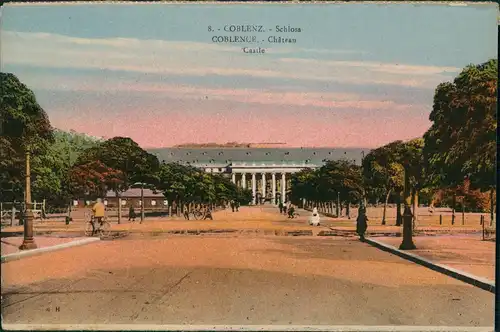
<point x="244" y="180"/>
<point x="269" y="182"/>
<point x="273" y="200"/>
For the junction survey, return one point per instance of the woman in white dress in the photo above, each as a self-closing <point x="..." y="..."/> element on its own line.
<point x="314" y="219"/>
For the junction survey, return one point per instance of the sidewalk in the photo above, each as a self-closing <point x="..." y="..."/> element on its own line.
<point x="467" y="253"/>
<point x="10" y="246"/>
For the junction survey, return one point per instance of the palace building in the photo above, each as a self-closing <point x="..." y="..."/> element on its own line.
<point x="266" y="171"/>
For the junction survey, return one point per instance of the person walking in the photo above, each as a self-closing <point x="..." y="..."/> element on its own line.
<point x="131" y="213"/>
<point x="208" y="213"/>
<point x="361" y="222"/>
<point x="280" y="205"/>
<point x="284" y="208"/>
<point x="232" y="205"/>
<point x="314" y="219"/>
<point x="291" y="211"/>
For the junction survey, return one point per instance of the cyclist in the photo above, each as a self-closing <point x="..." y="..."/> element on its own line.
<point x="98" y="213"/>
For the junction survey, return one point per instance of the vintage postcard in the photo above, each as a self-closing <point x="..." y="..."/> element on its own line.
<point x="248" y="166"/>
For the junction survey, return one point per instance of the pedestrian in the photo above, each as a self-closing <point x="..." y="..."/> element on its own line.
<point x="237" y="206"/>
<point x="361" y="222"/>
<point x="280" y="205"/>
<point x="131" y="213"/>
<point x="232" y="205"/>
<point x="314" y="219"/>
<point x="208" y="214"/>
<point x="284" y="209"/>
<point x="291" y="211"/>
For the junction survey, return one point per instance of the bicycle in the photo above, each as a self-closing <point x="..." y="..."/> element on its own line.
<point x="92" y="227"/>
<point x="197" y="214"/>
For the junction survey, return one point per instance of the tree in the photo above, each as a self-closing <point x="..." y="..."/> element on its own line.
<point x="461" y="143"/>
<point x="334" y="179"/>
<point x="24" y="127"/>
<point x="125" y="155"/>
<point x="411" y="154"/>
<point x="381" y="169"/>
<point x="303" y="185"/>
<point x="94" y="179"/>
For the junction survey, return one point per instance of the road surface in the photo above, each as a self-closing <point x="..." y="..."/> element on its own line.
<point x="235" y="280"/>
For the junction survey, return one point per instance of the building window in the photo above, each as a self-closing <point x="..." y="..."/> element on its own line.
<point x="220" y="169"/>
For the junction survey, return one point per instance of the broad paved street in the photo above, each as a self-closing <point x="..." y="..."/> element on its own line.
<point x="235" y="280"/>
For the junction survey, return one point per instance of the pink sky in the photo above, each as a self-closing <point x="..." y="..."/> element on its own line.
<point x="294" y="125"/>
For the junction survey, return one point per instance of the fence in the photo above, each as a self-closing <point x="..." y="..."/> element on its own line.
<point x="488" y="229"/>
<point x="10" y="212"/>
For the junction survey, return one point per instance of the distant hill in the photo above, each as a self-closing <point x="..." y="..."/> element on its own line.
<point x="228" y="145"/>
<point x="71" y="144"/>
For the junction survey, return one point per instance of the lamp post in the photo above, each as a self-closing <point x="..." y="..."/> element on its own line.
<point x="407" y="243"/>
<point x="28" y="241"/>
<point x="365" y="201"/>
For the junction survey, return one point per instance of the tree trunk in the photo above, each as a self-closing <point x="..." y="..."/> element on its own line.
<point x="348" y="210"/>
<point x="385" y="205"/>
<point x="453" y="203"/>
<point x="492" y="206"/>
<point x="119" y="208"/>
<point x="414" y="197"/>
<point x="399" y="217"/>
<point x="339" y="207"/>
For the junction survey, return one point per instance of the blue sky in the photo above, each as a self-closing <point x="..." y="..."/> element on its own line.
<point x="356" y="71"/>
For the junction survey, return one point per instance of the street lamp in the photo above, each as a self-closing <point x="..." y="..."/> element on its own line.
<point x="407" y="243"/>
<point x="28" y="241"/>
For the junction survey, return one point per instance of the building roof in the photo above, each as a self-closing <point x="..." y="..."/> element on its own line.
<point x="136" y="193"/>
<point x="225" y="156"/>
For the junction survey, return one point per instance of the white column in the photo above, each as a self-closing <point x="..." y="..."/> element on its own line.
<point x="244" y="180"/>
<point x="254" y="187"/>
<point x="283" y="187"/>
<point x="263" y="186"/>
<point x="234" y="178"/>
<point x="274" y="188"/>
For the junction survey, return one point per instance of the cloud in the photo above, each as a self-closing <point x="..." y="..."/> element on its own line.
<point x="265" y="96"/>
<point x="202" y="59"/>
